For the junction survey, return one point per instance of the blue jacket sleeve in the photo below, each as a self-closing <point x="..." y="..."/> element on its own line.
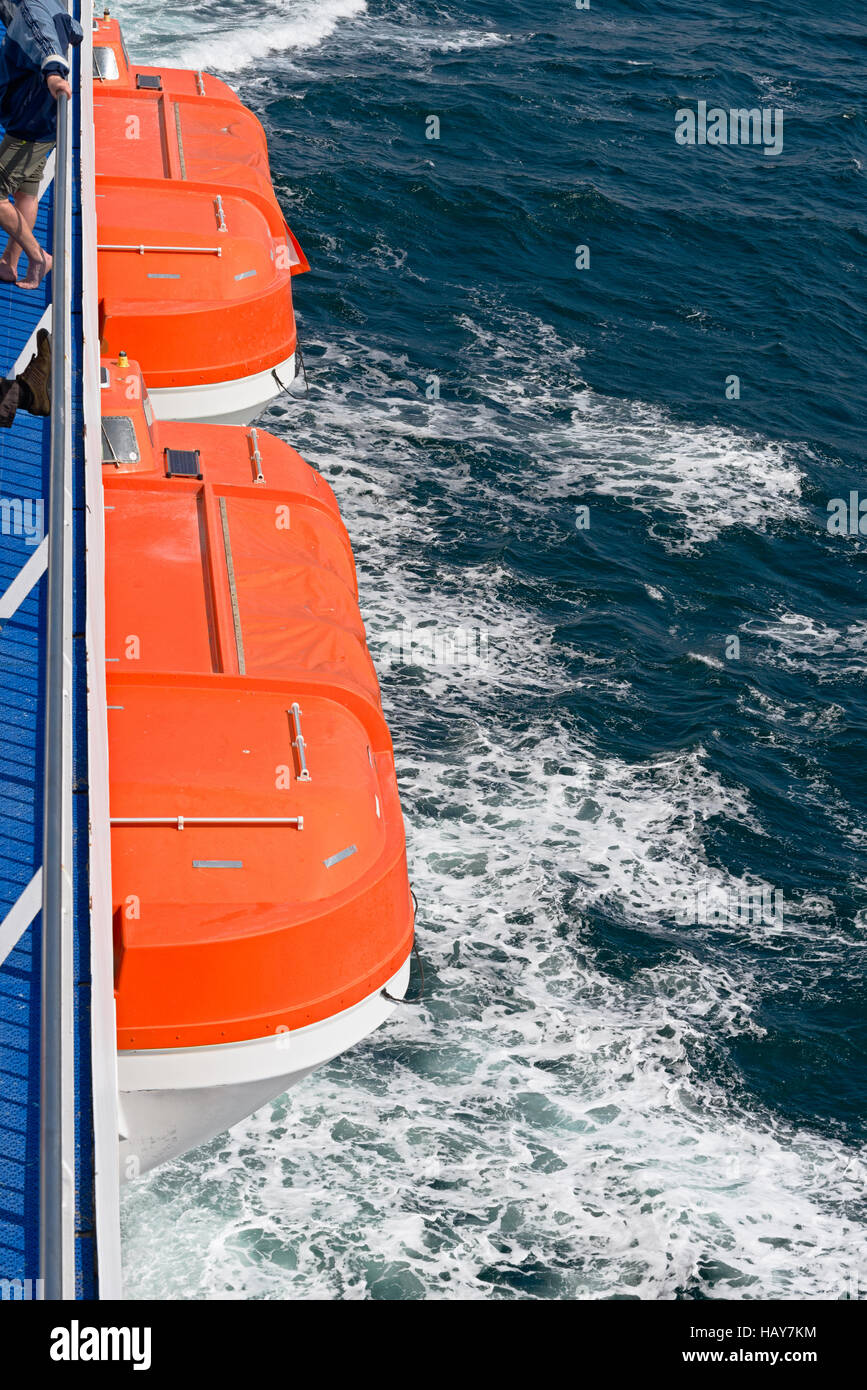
<point x="42" y="31"/>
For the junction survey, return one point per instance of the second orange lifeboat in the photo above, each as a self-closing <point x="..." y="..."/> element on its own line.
<point x="263" y="915"/>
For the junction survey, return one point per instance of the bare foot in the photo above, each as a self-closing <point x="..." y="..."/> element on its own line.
<point x="8" y="273"/>
<point x="36" y="272"/>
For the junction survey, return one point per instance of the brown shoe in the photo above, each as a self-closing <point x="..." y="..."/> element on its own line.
<point x="9" y="393"/>
<point x="35" y="380"/>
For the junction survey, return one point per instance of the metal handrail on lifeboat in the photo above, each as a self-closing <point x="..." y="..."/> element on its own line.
<point x="140" y="248"/>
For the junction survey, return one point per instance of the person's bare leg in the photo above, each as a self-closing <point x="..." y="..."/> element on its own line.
<point x="28" y="205"/>
<point x="12" y="222"/>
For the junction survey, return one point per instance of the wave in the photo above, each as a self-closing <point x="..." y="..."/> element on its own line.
<point x="703" y="478"/>
<point x="798" y="642"/>
<point x="222" y="44"/>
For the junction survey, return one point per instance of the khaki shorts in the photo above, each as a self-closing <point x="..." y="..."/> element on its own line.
<point x="22" y="163"/>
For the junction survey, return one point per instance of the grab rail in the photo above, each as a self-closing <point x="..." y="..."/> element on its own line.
<point x="57" y="1117"/>
<point x="181" y="821"/>
<point x="257" y="457"/>
<point x="140" y="248"/>
<point x="299" y="744"/>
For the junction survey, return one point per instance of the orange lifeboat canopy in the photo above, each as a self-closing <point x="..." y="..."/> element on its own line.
<point x="171" y="123"/>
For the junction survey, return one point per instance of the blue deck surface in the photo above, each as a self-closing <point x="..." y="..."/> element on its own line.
<point x="24" y="465"/>
<point x="24" y="451"/>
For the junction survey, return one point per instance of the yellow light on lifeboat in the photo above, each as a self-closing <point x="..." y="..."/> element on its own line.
<point x="122" y="359"/>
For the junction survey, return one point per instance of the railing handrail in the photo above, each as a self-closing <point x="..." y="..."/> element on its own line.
<point x="56" y="1197"/>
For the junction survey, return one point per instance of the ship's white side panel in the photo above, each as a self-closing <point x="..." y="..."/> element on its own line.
<point x="103" y="1028"/>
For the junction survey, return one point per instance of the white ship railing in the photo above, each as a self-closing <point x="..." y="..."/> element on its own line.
<point x="57" y="1078"/>
<point x="57" y="1204"/>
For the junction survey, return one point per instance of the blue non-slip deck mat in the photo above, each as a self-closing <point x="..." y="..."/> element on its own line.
<point x="24" y="463"/>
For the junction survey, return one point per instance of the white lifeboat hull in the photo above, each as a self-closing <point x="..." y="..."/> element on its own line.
<point x="237" y="402"/>
<point x="174" y="1099"/>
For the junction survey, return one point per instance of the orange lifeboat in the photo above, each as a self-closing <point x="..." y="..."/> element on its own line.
<point x="262" y="904"/>
<point x="195" y="256"/>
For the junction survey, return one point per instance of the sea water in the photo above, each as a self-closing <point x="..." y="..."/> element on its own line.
<point x="586" y="395"/>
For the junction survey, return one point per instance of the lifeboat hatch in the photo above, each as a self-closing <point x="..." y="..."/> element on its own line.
<point x="105" y="67"/>
<point x="152" y="81"/>
<point x="183" y="463"/>
<point x="119" y="442"/>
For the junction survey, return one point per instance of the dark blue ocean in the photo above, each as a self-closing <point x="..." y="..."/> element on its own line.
<point x="628" y="1078"/>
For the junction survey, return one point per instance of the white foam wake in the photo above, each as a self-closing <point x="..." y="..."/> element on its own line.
<point x="224" y="45"/>
<point x="558" y="1122"/>
<point x="695" y="480"/>
<point x="798" y="642"/>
